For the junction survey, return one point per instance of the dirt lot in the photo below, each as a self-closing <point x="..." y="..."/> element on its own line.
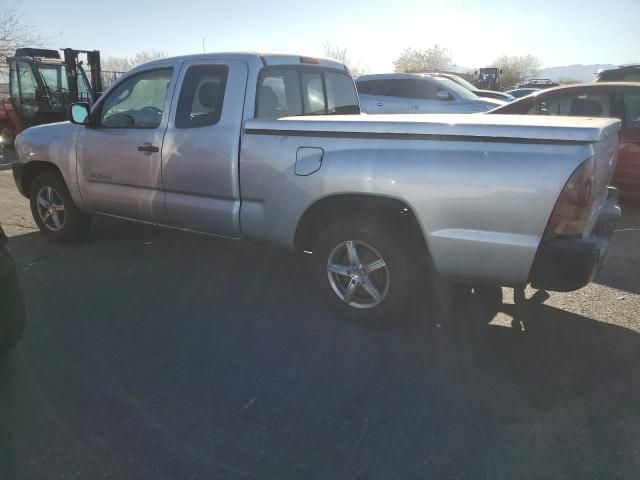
<point x="155" y="354"/>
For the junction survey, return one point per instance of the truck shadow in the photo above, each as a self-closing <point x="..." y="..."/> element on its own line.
<point x="622" y="270"/>
<point x="213" y="358"/>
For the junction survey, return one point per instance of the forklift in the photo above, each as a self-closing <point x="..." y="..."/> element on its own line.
<point x="488" y="78"/>
<point x="42" y="85"/>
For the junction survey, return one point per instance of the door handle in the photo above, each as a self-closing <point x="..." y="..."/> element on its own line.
<point x="147" y="147"/>
<point x="413" y="107"/>
<point x="379" y="104"/>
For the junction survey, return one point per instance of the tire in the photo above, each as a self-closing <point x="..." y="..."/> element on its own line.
<point x="12" y="312"/>
<point x="65" y="222"/>
<point x="346" y="287"/>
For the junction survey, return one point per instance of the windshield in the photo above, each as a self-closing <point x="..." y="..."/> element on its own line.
<point x="459" y="90"/>
<point x="54" y="77"/>
<point x="462" y="82"/>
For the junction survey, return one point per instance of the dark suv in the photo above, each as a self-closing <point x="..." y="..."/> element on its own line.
<point x="12" y="312"/>
<point x="626" y="73"/>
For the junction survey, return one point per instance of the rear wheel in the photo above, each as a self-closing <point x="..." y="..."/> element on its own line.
<point x="54" y="211"/>
<point x="363" y="271"/>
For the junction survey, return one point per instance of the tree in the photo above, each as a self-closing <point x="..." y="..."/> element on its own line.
<point x="113" y="67"/>
<point x="342" y="56"/>
<point x="15" y="33"/>
<point x="430" y="60"/>
<point x="517" y="68"/>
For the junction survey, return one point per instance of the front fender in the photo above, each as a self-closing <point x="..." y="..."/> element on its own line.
<point x="54" y="143"/>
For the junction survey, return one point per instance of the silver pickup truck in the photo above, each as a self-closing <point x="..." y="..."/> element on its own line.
<point x="274" y="147"/>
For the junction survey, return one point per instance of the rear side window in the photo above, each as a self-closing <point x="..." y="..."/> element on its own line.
<point x="201" y="96"/>
<point x="585" y="105"/>
<point x="291" y="91"/>
<point x="631" y="103"/>
<point x="340" y="95"/>
<point x="279" y="94"/>
<point x="313" y="94"/>
<point x="375" y="87"/>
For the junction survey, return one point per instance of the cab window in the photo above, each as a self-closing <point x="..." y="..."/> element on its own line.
<point x="138" y="101"/>
<point x="292" y="91"/>
<point x="631" y="104"/>
<point x="201" y="96"/>
<point x="577" y="105"/>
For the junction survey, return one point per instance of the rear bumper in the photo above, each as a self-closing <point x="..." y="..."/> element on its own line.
<point x="567" y="264"/>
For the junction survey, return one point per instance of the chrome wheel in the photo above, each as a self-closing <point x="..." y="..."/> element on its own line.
<point x="51" y="209"/>
<point x="358" y="274"/>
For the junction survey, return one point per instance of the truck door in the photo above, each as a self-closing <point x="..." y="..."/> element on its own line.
<point x="201" y="147"/>
<point x="119" y="155"/>
<point x="24" y="91"/>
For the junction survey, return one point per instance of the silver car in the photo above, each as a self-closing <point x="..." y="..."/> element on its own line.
<point x="418" y="93"/>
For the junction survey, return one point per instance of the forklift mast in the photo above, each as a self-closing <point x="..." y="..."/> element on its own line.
<point x="71" y="61"/>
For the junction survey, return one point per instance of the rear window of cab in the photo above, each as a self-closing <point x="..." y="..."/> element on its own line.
<point x="293" y="90"/>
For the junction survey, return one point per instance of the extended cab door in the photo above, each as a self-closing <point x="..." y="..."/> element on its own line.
<point x="119" y="155"/>
<point x="201" y="147"/>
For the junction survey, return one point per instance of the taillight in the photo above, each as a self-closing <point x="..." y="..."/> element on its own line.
<point x="571" y="213"/>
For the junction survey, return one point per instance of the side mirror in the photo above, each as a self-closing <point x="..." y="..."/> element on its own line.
<point x="443" y="95"/>
<point x="79" y="113"/>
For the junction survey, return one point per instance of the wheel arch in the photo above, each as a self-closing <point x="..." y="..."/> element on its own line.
<point x="390" y="210"/>
<point x="31" y="170"/>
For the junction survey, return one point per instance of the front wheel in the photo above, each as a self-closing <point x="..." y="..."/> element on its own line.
<point x="363" y="271"/>
<point x="54" y="211"/>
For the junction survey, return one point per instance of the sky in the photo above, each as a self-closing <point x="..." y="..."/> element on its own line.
<point x="476" y="32"/>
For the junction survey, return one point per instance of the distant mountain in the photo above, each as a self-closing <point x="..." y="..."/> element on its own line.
<point x="582" y="73"/>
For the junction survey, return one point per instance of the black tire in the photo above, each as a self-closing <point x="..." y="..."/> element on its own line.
<point x="372" y="238"/>
<point x="74" y="224"/>
<point x="12" y="312"/>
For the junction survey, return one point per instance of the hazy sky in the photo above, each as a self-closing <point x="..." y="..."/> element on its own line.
<point x="559" y="32"/>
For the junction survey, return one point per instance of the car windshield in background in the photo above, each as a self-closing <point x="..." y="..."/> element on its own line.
<point x="459" y="90"/>
<point x="463" y="83"/>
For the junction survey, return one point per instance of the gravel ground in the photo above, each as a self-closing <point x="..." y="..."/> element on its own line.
<point x="157" y="354"/>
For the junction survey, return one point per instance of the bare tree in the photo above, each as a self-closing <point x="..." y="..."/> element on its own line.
<point x="15" y="33"/>
<point x="432" y="59"/>
<point x="517" y="68"/>
<point x="113" y="67"/>
<point x="342" y="56"/>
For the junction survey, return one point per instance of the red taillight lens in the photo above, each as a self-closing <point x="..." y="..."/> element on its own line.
<point x="571" y="213"/>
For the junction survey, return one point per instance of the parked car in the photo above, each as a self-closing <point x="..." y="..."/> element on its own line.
<point x="610" y="99"/>
<point x="626" y="73"/>
<point x="522" y="92"/>
<point x="197" y="143"/>
<point x="12" y="312"/>
<point x="418" y="93"/>
<point x="505" y="97"/>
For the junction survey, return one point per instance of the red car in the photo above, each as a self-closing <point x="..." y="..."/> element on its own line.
<point x="611" y="99"/>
